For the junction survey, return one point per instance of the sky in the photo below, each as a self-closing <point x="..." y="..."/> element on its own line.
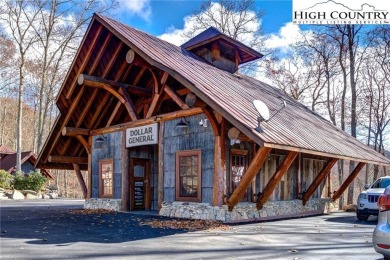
<point x="159" y="17"/>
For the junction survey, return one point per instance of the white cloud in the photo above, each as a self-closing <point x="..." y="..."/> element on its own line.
<point x="176" y="36"/>
<point x="141" y="8"/>
<point x="288" y="34"/>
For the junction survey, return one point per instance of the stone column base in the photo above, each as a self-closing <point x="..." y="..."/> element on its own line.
<point x="245" y="211"/>
<point x="108" y="204"/>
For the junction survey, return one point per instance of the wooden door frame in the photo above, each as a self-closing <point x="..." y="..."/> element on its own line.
<point x="147" y="197"/>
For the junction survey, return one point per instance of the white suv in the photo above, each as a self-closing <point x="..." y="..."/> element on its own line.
<point x="368" y="199"/>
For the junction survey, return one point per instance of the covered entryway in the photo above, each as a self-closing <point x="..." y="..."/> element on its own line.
<point x="139" y="184"/>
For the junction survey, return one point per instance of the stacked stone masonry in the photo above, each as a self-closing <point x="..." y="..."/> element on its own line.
<point x="108" y="204"/>
<point x="245" y="211"/>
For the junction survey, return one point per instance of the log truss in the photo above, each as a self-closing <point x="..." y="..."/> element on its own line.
<point x="110" y="88"/>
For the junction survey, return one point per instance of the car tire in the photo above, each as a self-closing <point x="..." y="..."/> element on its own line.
<point x="386" y="257"/>
<point x="361" y="216"/>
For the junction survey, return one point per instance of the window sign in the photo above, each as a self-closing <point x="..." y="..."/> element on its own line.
<point x="142" y="135"/>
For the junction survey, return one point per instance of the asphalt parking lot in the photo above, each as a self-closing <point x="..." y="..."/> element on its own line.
<point x="46" y="229"/>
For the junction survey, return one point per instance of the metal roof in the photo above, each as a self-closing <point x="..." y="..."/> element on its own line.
<point x="294" y="128"/>
<point x="6" y="150"/>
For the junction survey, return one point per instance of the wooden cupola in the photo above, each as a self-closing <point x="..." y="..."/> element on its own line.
<point x="221" y="50"/>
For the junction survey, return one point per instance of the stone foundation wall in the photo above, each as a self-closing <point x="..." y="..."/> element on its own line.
<point x="245" y="211"/>
<point x="109" y="204"/>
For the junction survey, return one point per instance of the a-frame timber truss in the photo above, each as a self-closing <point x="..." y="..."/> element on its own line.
<point x="111" y="87"/>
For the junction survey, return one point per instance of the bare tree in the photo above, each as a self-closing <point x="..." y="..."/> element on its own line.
<point x="19" y="17"/>
<point x="60" y="27"/>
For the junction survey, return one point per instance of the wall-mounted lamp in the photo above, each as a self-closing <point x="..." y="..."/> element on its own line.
<point x="100" y="142"/>
<point x="203" y="122"/>
<point x="182" y="124"/>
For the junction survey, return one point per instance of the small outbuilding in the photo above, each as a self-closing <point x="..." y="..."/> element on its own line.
<point x="8" y="161"/>
<point x="179" y="130"/>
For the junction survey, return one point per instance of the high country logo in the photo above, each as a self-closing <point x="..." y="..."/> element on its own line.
<point x="332" y="12"/>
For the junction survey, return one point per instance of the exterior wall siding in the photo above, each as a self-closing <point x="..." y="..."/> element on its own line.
<point x="27" y="167"/>
<point x="110" y="150"/>
<point x="191" y="138"/>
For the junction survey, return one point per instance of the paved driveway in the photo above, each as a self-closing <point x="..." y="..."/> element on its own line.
<point x="46" y="230"/>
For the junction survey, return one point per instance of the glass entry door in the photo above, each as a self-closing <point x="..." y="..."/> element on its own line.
<point x="140" y="184"/>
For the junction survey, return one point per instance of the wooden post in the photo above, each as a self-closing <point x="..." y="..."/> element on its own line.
<point x="125" y="202"/>
<point x="76" y="168"/>
<point x="318" y="179"/>
<point x="250" y="173"/>
<point x="89" y="190"/>
<point x="348" y="181"/>
<point x="298" y="177"/>
<point x="160" y="184"/>
<point x="219" y="174"/>
<point x="275" y="179"/>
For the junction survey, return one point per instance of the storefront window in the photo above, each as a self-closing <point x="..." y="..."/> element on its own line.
<point x="188" y="176"/>
<point x="106" y="174"/>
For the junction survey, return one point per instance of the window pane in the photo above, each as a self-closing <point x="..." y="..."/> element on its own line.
<point x="188" y="176"/>
<point x="106" y="176"/>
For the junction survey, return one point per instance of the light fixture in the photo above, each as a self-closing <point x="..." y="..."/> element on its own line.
<point x="182" y="123"/>
<point x="203" y="122"/>
<point x="100" y="142"/>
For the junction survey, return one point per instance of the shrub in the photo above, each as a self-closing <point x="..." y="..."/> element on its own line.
<point x="34" y="181"/>
<point x="5" y="179"/>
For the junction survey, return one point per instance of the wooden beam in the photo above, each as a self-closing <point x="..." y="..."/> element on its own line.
<point x="348" y="181"/>
<point x="89" y="169"/>
<point x="66" y="119"/>
<point x="91" y="98"/>
<point x="158" y="93"/>
<point x="129" y="104"/>
<point x="113" y="114"/>
<point x="213" y="121"/>
<point x="180" y="92"/>
<point x="318" y="179"/>
<point x="92" y="81"/>
<point x="275" y="179"/>
<point x="84" y="61"/>
<point x="175" y="97"/>
<point x="67" y="159"/>
<point x="125" y="196"/>
<point x="84" y="143"/>
<point x="250" y="173"/>
<point x="146" y="121"/>
<point x="308" y="151"/>
<point x="121" y="95"/>
<point x="160" y="181"/>
<point x="73" y="131"/>
<point x="80" y="178"/>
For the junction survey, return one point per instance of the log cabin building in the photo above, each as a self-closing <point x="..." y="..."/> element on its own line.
<point x="174" y="129"/>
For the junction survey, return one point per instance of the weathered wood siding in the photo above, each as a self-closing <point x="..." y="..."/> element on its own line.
<point x="285" y="190"/>
<point x="110" y="150"/>
<point x="193" y="137"/>
<point x="27" y="167"/>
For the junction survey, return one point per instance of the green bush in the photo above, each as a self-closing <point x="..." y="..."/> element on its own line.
<point x="5" y="179"/>
<point x="34" y="181"/>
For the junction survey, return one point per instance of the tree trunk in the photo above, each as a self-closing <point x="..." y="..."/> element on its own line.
<point x="20" y="116"/>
